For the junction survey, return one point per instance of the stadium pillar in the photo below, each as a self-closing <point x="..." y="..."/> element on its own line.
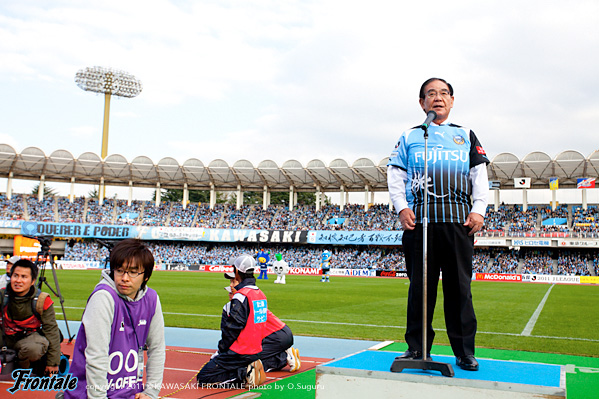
<point x="185" y="196"/>
<point x="72" y="194"/>
<point x="9" y="186"/>
<point x="524" y="200"/>
<point x="341" y="198"/>
<point x="130" y="199"/>
<point x="157" y="201"/>
<point x="101" y="192"/>
<point x="265" y="198"/>
<point x="291" y="198"/>
<point x="318" y="195"/>
<point x="366" y="191"/>
<point x="496" y="199"/>
<point x="553" y="199"/>
<point x="584" y="199"/>
<point x="239" y="197"/>
<point x="40" y="188"/>
<point x="212" y="196"/>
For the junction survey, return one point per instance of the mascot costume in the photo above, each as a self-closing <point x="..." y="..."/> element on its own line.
<point x="263" y="257"/>
<point x="281" y="268"/>
<point x="325" y="265"/>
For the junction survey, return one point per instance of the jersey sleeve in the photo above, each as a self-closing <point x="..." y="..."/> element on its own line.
<point x="399" y="155"/>
<point x="477" y="152"/>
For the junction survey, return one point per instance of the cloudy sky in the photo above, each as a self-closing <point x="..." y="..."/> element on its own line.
<point x="327" y="79"/>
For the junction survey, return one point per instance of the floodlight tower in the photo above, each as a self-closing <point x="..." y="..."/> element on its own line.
<point x="110" y="82"/>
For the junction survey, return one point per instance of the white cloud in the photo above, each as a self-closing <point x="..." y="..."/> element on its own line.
<point x="302" y="80"/>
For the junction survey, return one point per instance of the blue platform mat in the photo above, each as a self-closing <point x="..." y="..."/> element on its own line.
<point x="538" y="374"/>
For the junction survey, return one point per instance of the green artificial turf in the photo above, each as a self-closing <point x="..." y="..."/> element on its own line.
<point x="374" y="308"/>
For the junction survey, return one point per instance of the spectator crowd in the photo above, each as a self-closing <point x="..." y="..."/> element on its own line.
<point x="506" y="221"/>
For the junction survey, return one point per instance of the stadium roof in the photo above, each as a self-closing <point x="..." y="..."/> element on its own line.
<point x="116" y="170"/>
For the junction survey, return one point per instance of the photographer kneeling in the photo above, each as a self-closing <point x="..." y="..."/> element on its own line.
<point x="28" y="321"/>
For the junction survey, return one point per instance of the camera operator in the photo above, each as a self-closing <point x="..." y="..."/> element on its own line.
<point x="28" y="321"/>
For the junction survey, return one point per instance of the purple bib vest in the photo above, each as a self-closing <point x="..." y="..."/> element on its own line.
<point x="123" y="348"/>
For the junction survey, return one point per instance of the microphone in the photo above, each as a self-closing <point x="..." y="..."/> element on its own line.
<point x="430" y="116"/>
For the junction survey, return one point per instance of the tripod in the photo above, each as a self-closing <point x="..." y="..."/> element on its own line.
<point x="108" y="245"/>
<point x="426" y="363"/>
<point x="44" y="253"/>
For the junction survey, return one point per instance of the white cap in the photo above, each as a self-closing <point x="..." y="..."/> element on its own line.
<point x="14" y="259"/>
<point x="245" y="263"/>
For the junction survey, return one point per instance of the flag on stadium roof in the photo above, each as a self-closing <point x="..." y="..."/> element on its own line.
<point x="522" y="182"/>
<point x="589" y="182"/>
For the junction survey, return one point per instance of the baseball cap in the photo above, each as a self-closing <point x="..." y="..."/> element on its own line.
<point x="14" y="259"/>
<point x="245" y="263"/>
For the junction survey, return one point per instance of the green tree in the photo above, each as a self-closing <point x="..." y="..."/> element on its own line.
<point x="276" y="198"/>
<point x="195" y="196"/>
<point x="303" y="198"/>
<point x="48" y="191"/>
<point x="94" y="193"/>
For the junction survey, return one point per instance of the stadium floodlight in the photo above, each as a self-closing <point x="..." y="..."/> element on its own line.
<point x="110" y="82"/>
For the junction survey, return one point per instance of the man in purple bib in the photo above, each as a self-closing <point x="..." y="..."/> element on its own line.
<point x="122" y="318"/>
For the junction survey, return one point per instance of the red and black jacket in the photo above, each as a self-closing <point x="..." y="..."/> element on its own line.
<point x="243" y="331"/>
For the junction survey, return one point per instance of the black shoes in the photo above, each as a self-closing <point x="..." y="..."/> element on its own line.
<point x="410" y="354"/>
<point x="467" y="362"/>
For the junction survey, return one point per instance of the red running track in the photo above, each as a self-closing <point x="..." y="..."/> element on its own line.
<point x="182" y="365"/>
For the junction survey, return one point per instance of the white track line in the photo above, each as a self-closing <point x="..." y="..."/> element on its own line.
<point x="380" y="345"/>
<point x="400" y="327"/>
<point x="535" y="316"/>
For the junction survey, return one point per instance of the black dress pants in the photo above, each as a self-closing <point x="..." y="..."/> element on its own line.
<point x="450" y="251"/>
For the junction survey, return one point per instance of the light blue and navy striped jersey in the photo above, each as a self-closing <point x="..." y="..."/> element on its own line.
<point x="452" y="151"/>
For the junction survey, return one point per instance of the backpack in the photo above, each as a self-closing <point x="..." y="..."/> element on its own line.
<point x="37" y="304"/>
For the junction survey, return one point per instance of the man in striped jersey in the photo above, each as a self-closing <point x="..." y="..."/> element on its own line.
<point x="457" y="189"/>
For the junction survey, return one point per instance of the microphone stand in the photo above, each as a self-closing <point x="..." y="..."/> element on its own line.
<point x="426" y="363"/>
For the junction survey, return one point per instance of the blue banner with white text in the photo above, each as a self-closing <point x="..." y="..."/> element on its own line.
<point x="82" y="230"/>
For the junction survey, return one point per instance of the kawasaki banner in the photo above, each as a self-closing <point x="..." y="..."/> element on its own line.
<point x="82" y="230"/>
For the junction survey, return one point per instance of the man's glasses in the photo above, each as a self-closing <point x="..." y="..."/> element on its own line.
<point x="435" y="93"/>
<point x="132" y="273"/>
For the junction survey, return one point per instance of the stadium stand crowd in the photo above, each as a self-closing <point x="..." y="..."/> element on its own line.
<point x="145" y="213"/>
<point x="506" y="221"/>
